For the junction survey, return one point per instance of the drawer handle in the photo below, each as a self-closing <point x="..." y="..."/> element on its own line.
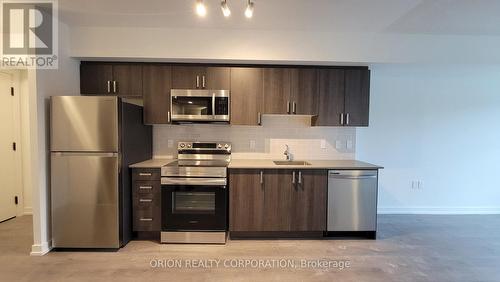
<point x="146" y="187"/>
<point x="145" y="174"/>
<point x="145" y="200"/>
<point x="146" y="219"/>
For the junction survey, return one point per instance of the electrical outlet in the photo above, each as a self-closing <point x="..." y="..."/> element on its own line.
<point x="170" y="143"/>
<point x="323" y="144"/>
<point x="350" y="144"/>
<point x="338" y="144"/>
<point x="416" y="185"/>
<point x="252" y="144"/>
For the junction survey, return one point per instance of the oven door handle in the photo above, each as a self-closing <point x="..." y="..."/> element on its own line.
<point x="194" y="181"/>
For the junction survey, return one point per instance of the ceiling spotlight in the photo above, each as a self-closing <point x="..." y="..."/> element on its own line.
<point x="225" y="8"/>
<point x="249" y="10"/>
<point x="201" y="10"/>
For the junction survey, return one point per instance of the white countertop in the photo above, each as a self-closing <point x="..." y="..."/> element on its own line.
<point x="319" y="164"/>
<point x="268" y="164"/>
<point x="153" y="163"/>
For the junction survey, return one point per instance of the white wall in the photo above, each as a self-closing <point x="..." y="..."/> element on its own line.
<point x="440" y="125"/>
<point x="63" y="81"/>
<point x="184" y="44"/>
<point x="270" y="139"/>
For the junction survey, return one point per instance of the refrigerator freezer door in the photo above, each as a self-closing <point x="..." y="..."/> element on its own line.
<point x="84" y="195"/>
<point x="81" y="123"/>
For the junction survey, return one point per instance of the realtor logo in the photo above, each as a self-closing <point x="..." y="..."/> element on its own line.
<point x="29" y="34"/>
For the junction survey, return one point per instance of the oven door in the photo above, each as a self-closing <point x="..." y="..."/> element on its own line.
<point x="194" y="204"/>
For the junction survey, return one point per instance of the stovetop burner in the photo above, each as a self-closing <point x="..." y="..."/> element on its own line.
<point x="200" y="159"/>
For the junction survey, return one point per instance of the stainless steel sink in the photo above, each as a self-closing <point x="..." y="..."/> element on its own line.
<point x="291" y="163"/>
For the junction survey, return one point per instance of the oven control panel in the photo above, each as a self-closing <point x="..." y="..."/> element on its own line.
<point x="205" y="146"/>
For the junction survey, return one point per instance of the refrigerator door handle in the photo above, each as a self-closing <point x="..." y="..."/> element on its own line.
<point x="91" y="154"/>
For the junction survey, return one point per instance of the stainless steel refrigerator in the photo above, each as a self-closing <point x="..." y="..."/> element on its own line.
<point x="93" y="140"/>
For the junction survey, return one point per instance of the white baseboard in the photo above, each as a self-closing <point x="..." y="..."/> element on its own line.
<point x="439" y="210"/>
<point x="42" y="249"/>
<point x="28" y="211"/>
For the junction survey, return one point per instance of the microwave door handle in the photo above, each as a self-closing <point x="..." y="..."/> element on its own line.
<point x="213" y="105"/>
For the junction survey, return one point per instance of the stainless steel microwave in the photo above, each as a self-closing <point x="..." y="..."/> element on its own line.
<point x="189" y="105"/>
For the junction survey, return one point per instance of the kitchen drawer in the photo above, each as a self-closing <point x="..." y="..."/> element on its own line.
<point x="146" y="174"/>
<point x="146" y="187"/>
<point x="146" y="219"/>
<point x="147" y="201"/>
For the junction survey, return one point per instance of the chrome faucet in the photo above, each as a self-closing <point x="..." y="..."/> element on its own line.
<point x="287" y="153"/>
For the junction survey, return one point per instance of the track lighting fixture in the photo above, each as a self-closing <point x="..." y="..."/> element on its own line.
<point x="225" y="8"/>
<point x="201" y="10"/>
<point x="249" y="9"/>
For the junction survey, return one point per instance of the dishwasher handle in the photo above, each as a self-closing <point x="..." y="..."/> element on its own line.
<point x="353" y="174"/>
<point x="353" y="177"/>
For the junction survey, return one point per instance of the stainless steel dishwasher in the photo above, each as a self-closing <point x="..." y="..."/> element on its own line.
<point x="352" y="202"/>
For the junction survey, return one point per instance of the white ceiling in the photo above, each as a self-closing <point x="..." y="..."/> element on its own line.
<point x="446" y="17"/>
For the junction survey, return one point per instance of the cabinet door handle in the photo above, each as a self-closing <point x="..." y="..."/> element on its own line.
<point x="145" y="200"/>
<point x="261" y="177"/>
<point x="146" y="219"/>
<point x="197" y="81"/>
<point x="146" y="187"/>
<point x="288" y="107"/>
<point x="294" y="108"/>
<point x="259" y="119"/>
<point x="114" y="86"/>
<point x="293" y="177"/>
<point x="342" y="119"/>
<point x="145" y="174"/>
<point x="347" y="118"/>
<point x="109" y="86"/>
<point x="300" y="177"/>
<point x="168" y="117"/>
<point x="203" y="81"/>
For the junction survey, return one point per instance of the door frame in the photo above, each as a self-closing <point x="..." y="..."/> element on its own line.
<point x="21" y="137"/>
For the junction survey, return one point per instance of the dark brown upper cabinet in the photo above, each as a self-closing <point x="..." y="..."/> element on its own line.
<point x="291" y="91"/>
<point x="200" y="77"/>
<point x="357" y="97"/>
<point x="120" y="79"/>
<point x="331" y="97"/>
<point x="157" y="82"/>
<point x="277" y="91"/>
<point x="127" y="79"/>
<point x="187" y="77"/>
<point x="218" y="78"/>
<point x="95" y="78"/>
<point x="305" y="91"/>
<point x="344" y="96"/>
<point x="246" y="96"/>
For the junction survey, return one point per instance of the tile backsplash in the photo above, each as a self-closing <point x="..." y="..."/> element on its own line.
<point x="263" y="142"/>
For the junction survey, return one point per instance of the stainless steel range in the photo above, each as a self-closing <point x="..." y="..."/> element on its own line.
<point x="194" y="194"/>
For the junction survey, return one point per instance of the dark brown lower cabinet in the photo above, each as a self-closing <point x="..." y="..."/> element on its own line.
<point x="309" y="201"/>
<point x="277" y="200"/>
<point x="277" y="204"/>
<point x="246" y="200"/>
<point x="146" y="200"/>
